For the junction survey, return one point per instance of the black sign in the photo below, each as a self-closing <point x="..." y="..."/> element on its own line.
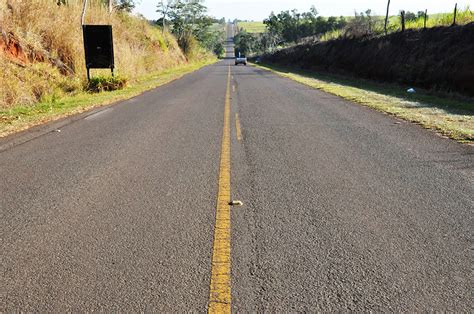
<point x="98" y="46"/>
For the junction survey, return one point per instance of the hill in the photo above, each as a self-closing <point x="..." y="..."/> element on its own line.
<point x="438" y="58"/>
<point x="42" y="54"/>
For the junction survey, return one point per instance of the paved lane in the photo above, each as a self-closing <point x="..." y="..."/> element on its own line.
<point x="117" y="211"/>
<point x="344" y="209"/>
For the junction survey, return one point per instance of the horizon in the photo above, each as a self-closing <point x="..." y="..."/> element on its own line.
<point x="258" y="10"/>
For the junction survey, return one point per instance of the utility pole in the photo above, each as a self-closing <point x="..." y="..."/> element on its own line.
<point x="386" y="17"/>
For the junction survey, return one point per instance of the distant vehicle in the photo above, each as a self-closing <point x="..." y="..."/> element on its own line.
<point x="241" y="60"/>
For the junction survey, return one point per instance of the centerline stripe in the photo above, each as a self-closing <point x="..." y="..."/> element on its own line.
<point x="219" y="295"/>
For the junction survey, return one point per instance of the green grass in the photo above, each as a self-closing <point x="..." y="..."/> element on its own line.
<point x="106" y="84"/>
<point x="449" y="116"/>
<point x="252" y="27"/>
<point x="464" y="16"/>
<point x="218" y="27"/>
<point x="22" y="117"/>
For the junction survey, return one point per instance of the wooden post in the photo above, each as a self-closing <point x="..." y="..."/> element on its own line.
<point x="426" y="16"/>
<point x="83" y="17"/>
<point x="386" y="17"/>
<point x="111" y="6"/>
<point x="455" y="13"/>
<point x="402" y="14"/>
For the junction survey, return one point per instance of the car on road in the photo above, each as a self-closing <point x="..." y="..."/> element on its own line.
<point x="241" y="60"/>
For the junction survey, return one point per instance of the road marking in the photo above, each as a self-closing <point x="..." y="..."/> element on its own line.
<point x="237" y="127"/>
<point x="219" y="292"/>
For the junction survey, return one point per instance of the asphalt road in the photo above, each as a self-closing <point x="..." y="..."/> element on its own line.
<point x="344" y="208"/>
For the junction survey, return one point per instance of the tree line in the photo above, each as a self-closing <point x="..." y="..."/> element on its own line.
<point x="290" y="27"/>
<point x="188" y="21"/>
<point x="287" y="27"/>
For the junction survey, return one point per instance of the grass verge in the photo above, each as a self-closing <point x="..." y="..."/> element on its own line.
<point x="19" y="118"/>
<point x="252" y="27"/>
<point x="448" y="116"/>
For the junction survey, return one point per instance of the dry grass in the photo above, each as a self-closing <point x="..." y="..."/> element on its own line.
<point x="19" y="118"/>
<point x="53" y="34"/>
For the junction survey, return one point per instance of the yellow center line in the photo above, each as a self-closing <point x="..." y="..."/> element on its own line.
<point x="237" y="127"/>
<point x="219" y="295"/>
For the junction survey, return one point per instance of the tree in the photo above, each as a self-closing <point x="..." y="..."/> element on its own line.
<point x="163" y="8"/>
<point x="245" y="43"/>
<point x="125" y="5"/>
<point x="189" y="22"/>
<point x="362" y="24"/>
<point x="410" y="16"/>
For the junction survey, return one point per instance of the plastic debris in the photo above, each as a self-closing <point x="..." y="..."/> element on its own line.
<point x="411" y="90"/>
<point x="236" y="203"/>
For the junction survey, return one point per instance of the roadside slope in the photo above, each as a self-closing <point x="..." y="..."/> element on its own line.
<point x="439" y="58"/>
<point x="42" y="59"/>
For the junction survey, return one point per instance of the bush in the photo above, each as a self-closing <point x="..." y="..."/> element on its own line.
<point x="105" y="84"/>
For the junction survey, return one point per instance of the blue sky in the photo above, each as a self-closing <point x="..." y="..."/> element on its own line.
<point x="259" y="9"/>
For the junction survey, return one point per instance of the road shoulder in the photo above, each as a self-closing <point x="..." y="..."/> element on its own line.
<point x="452" y="118"/>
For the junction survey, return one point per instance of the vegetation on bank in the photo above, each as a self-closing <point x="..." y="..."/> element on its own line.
<point x="451" y="117"/>
<point x="292" y="27"/>
<point x="21" y="117"/>
<point x="42" y="55"/>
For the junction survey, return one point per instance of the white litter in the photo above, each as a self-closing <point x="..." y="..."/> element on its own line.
<point x="411" y="90"/>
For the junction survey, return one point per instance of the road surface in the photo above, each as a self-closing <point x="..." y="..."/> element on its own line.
<point x="344" y="208"/>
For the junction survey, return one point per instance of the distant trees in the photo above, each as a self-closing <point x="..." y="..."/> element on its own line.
<point x="292" y="26"/>
<point x="188" y="21"/>
<point x="363" y="24"/>
<point x="124" y="5"/>
<point x="287" y="27"/>
<point x="245" y="42"/>
<point x="163" y="8"/>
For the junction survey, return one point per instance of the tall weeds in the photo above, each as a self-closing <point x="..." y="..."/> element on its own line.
<point x="50" y="37"/>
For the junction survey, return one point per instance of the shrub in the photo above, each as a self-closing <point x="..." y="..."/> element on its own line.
<point x="105" y="84"/>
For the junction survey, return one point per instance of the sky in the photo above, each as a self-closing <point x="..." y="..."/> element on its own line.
<point x="258" y="10"/>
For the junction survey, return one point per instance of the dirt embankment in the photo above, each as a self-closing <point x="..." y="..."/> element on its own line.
<point x="42" y="53"/>
<point x="440" y="58"/>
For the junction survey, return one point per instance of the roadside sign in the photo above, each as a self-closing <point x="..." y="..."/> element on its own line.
<point x="98" y="47"/>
